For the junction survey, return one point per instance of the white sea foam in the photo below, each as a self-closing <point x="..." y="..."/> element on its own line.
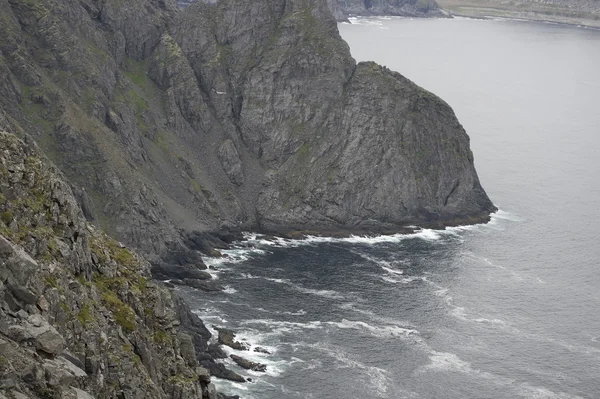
<point x="424" y="234"/>
<point x="274" y="367"/>
<point x="504" y="215"/>
<point x="229" y="290"/>
<point x="389" y="279"/>
<point x="366" y="21"/>
<point x="393" y="271"/>
<point x="230" y="257"/>
<point x="376" y="378"/>
<point x="447" y="362"/>
<point x="450" y="362"/>
<point x="300" y="312"/>
<point x="254" y="244"/>
<point x="461" y="313"/>
<point x="377" y="331"/>
<point x="384" y="331"/>
<point x="324" y="293"/>
<point x="288" y="324"/>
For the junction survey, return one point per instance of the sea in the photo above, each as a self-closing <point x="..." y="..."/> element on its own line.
<point x="507" y="309"/>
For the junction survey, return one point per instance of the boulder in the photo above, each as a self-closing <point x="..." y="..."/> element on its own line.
<point x="50" y="341"/>
<point x="79" y="394"/>
<point x="247" y="364"/>
<point x="261" y="350"/>
<point x="211" y="391"/>
<point x="220" y="371"/>
<point x="216" y="351"/>
<point x="226" y="337"/>
<point x="46" y="338"/>
<point x="203" y="374"/>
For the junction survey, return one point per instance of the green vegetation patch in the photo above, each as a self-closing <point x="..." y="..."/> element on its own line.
<point x="123" y="314"/>
<point x="6" y="217"/>
<point x="181" y="379"/>
<point x="162" y="338"/>
<point x="85" y="315"/>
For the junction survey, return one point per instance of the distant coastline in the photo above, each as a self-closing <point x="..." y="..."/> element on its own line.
<point x="567" y="12"/>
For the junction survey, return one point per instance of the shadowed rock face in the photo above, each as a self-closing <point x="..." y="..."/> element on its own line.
<point x="232" y="113"/>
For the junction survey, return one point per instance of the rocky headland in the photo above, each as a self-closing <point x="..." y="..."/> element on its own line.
<point x="172" y="132"/>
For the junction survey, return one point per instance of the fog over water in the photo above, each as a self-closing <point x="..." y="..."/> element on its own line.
<point x="504" y="310"/>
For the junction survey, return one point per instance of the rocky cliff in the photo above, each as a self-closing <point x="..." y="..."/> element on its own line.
<point x="79" y="315"/>
<point x="236" y="113"/>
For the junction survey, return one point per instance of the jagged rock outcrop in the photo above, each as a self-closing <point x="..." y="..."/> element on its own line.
<point x="79" y="315"/>
<point x="228" y="115"/>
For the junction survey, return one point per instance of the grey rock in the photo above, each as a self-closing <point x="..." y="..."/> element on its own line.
<point x="22" y="314"/>
<point x="220" y="371"/>
<point x="68" y="366"/>
<point x="247" y="364"/>
<point x="22" y="294"/>
<point x="227" y="337"/>
<point x="4" y="345"/>
<point x="211" y="391"/>
<point x="216" y="351"/>
<point x="50" y="341"/>
<point x="18" y="333"/>
<point x="79" y="394"/>
<point x="57" y="375"/>
<point x="203" y="374"/>
<point x="8" y="383"/>
<point x="187" y="350"/>
<point x="231" y="162"/>
<point x="261" y="350"/>
<point x="170" y="271"/>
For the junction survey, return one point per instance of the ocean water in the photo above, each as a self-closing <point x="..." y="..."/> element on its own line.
<point x="510" y="309"/>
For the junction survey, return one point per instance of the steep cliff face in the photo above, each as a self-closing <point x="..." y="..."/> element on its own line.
<point x="230" y="113"/>
<point x="79" y="315"/>
<point x="339" y="146"/>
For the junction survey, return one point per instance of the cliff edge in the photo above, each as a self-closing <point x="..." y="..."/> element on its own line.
<point x="79" y="314"/>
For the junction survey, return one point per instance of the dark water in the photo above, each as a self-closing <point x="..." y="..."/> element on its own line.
<point x="506" y="310"/>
